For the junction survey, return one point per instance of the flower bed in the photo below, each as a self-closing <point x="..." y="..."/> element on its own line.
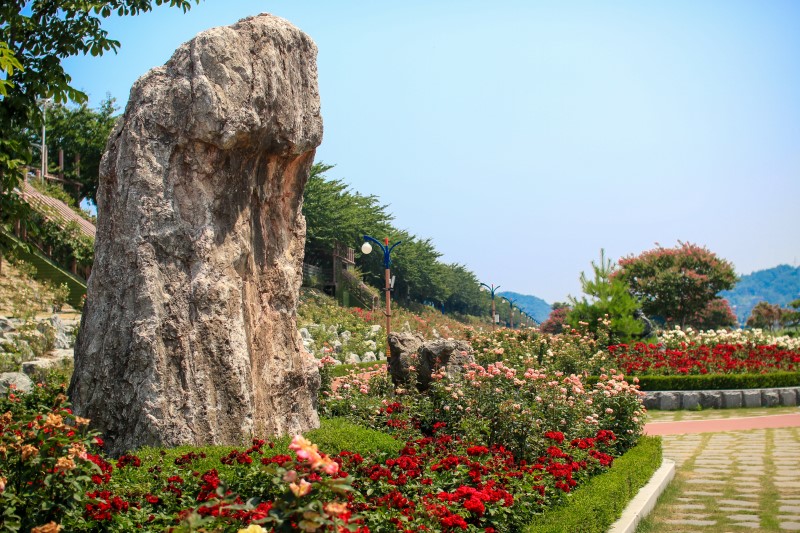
<point x="724" y="358"/>
<point x="486" y="453"/>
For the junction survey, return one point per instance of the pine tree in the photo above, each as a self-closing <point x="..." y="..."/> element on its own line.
<point x="607" y="295"/>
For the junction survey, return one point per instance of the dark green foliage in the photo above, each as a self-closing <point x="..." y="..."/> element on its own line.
<point x="778" y="286"/>
<point x="80" y="131"/>
<point x="34" y="38"/>
<point x="598" y="503"/>
<point x="336" y="214"/>
<point x="533" y="305"/>
<point x="719" y="381"/>
<point x="608" y="296"/>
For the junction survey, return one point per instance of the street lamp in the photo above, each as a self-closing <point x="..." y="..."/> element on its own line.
<point x="492" y="290"/>
<point x="44" y="102"/>
<point x="511" y="303"/>
<point x="387" y="262"/>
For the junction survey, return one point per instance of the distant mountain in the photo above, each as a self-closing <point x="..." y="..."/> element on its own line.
<point x="533" y="305"/>
<point x="779" y="285"/>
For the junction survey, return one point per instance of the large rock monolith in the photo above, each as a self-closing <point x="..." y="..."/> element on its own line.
<point x="189" y="333"/>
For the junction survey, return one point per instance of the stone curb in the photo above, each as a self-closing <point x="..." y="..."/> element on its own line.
<point x="722" y="399"/>
<point x="644" y="501"/>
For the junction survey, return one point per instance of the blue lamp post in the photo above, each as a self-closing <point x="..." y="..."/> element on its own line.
<point x="511" y="303"/>
<point x="387" y="263"/>
<point x="492" y="290"/>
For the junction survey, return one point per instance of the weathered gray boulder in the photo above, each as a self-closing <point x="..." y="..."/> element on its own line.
<point x="669" y="401"/>
<point x="443" y="354"/>
<point x="770" y="398"/>
<point x="409" y="349"/>
<point x="19" y="380"/>
<point x="650" y="400"/>
<point x="352" y="359"/>
<point x="690" y="400"/>
<point x="711" y="399"/>
<point x="6" y="325"/>
<point x="189" y="332"/>
<point x="403" y="352"/>
<point x="751" y="398"/>
<point x="53" y="360"/>
<point x="731" y="399"/>
<point x="62" y="339"/>
<point x="369" y="357"/>
<point x="788" y="397"/>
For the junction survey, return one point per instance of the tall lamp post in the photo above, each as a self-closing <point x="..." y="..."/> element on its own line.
<point x="492" y="290"/>
<point x="511" y="303"/>
<point x="44" y="102"/>
<point x="387" y="263"/>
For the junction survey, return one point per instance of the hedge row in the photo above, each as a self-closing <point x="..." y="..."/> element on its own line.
<point x="720" y="381"/>
<point x="597" y="504"/>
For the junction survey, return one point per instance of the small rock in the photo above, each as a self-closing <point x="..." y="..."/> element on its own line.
<point x="5" y="325"/>
<point x="381" y="356"/>
<point x="372" y="345"/>
<point x="731" y="399"/>
<point x="369" y="357"/>
<point x="788" y="397"/>
<point x="751" y="398"/>
<point x="669" y="401"/>
<point x="305" y="335"/>
<point x="352" y="359"/>
<point x="54" y="359"/>
<point x="337" y="346"/>
<point x="690" y="400"/>
<point x="345" y="336"/>
<point x="18" y="379"/>
<point x="374" y="329"/>
<point x="770" y="398"/>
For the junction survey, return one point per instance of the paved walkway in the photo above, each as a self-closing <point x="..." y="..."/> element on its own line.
<point x="734" y="475"/>
<point x="722" y="424"/>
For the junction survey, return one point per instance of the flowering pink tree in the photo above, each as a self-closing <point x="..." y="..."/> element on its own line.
<point x="677" y="283"/>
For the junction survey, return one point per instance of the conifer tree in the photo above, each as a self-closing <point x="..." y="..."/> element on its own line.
<point x="607" y="295"/>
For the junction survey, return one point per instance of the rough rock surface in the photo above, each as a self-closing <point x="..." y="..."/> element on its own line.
<point x="189" y="332"/>
<point x="410" y="349"/>
<point x="443" y="354"/>
<point x="19" y="380"/>
<point x="403" y="348"/>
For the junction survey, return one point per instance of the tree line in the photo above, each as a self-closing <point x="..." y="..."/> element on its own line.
<point x="334" y="213"/>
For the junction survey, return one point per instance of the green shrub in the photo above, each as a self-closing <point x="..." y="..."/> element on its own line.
<point x="594" y="506"/>
<point x="720" y="381"/>
<point x="337" y="434"/>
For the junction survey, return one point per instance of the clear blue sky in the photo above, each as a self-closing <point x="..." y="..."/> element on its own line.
<point x="523" y="136"/>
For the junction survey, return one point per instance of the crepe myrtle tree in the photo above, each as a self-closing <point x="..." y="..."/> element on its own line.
<point x="676" y="284"/>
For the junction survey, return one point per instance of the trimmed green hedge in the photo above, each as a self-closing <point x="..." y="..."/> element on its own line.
<point x="714" y="381"/>
<point x="597" y="504"/>
<point x="720" y="381"/>
<point x="333" y="436"/>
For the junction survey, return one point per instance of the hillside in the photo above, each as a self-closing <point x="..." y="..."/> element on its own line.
<point x="779" y="285"/>
<point x="533" y="305"/>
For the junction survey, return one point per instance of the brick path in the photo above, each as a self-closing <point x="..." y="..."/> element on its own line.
<point x="747" y="480"/>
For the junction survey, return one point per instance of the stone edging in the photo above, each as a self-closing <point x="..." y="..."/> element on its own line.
<point x="721" y="399"/>
<point x="644" y="501"/>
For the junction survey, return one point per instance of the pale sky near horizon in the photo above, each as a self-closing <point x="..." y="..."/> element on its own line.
<point x="522" y="137"/>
